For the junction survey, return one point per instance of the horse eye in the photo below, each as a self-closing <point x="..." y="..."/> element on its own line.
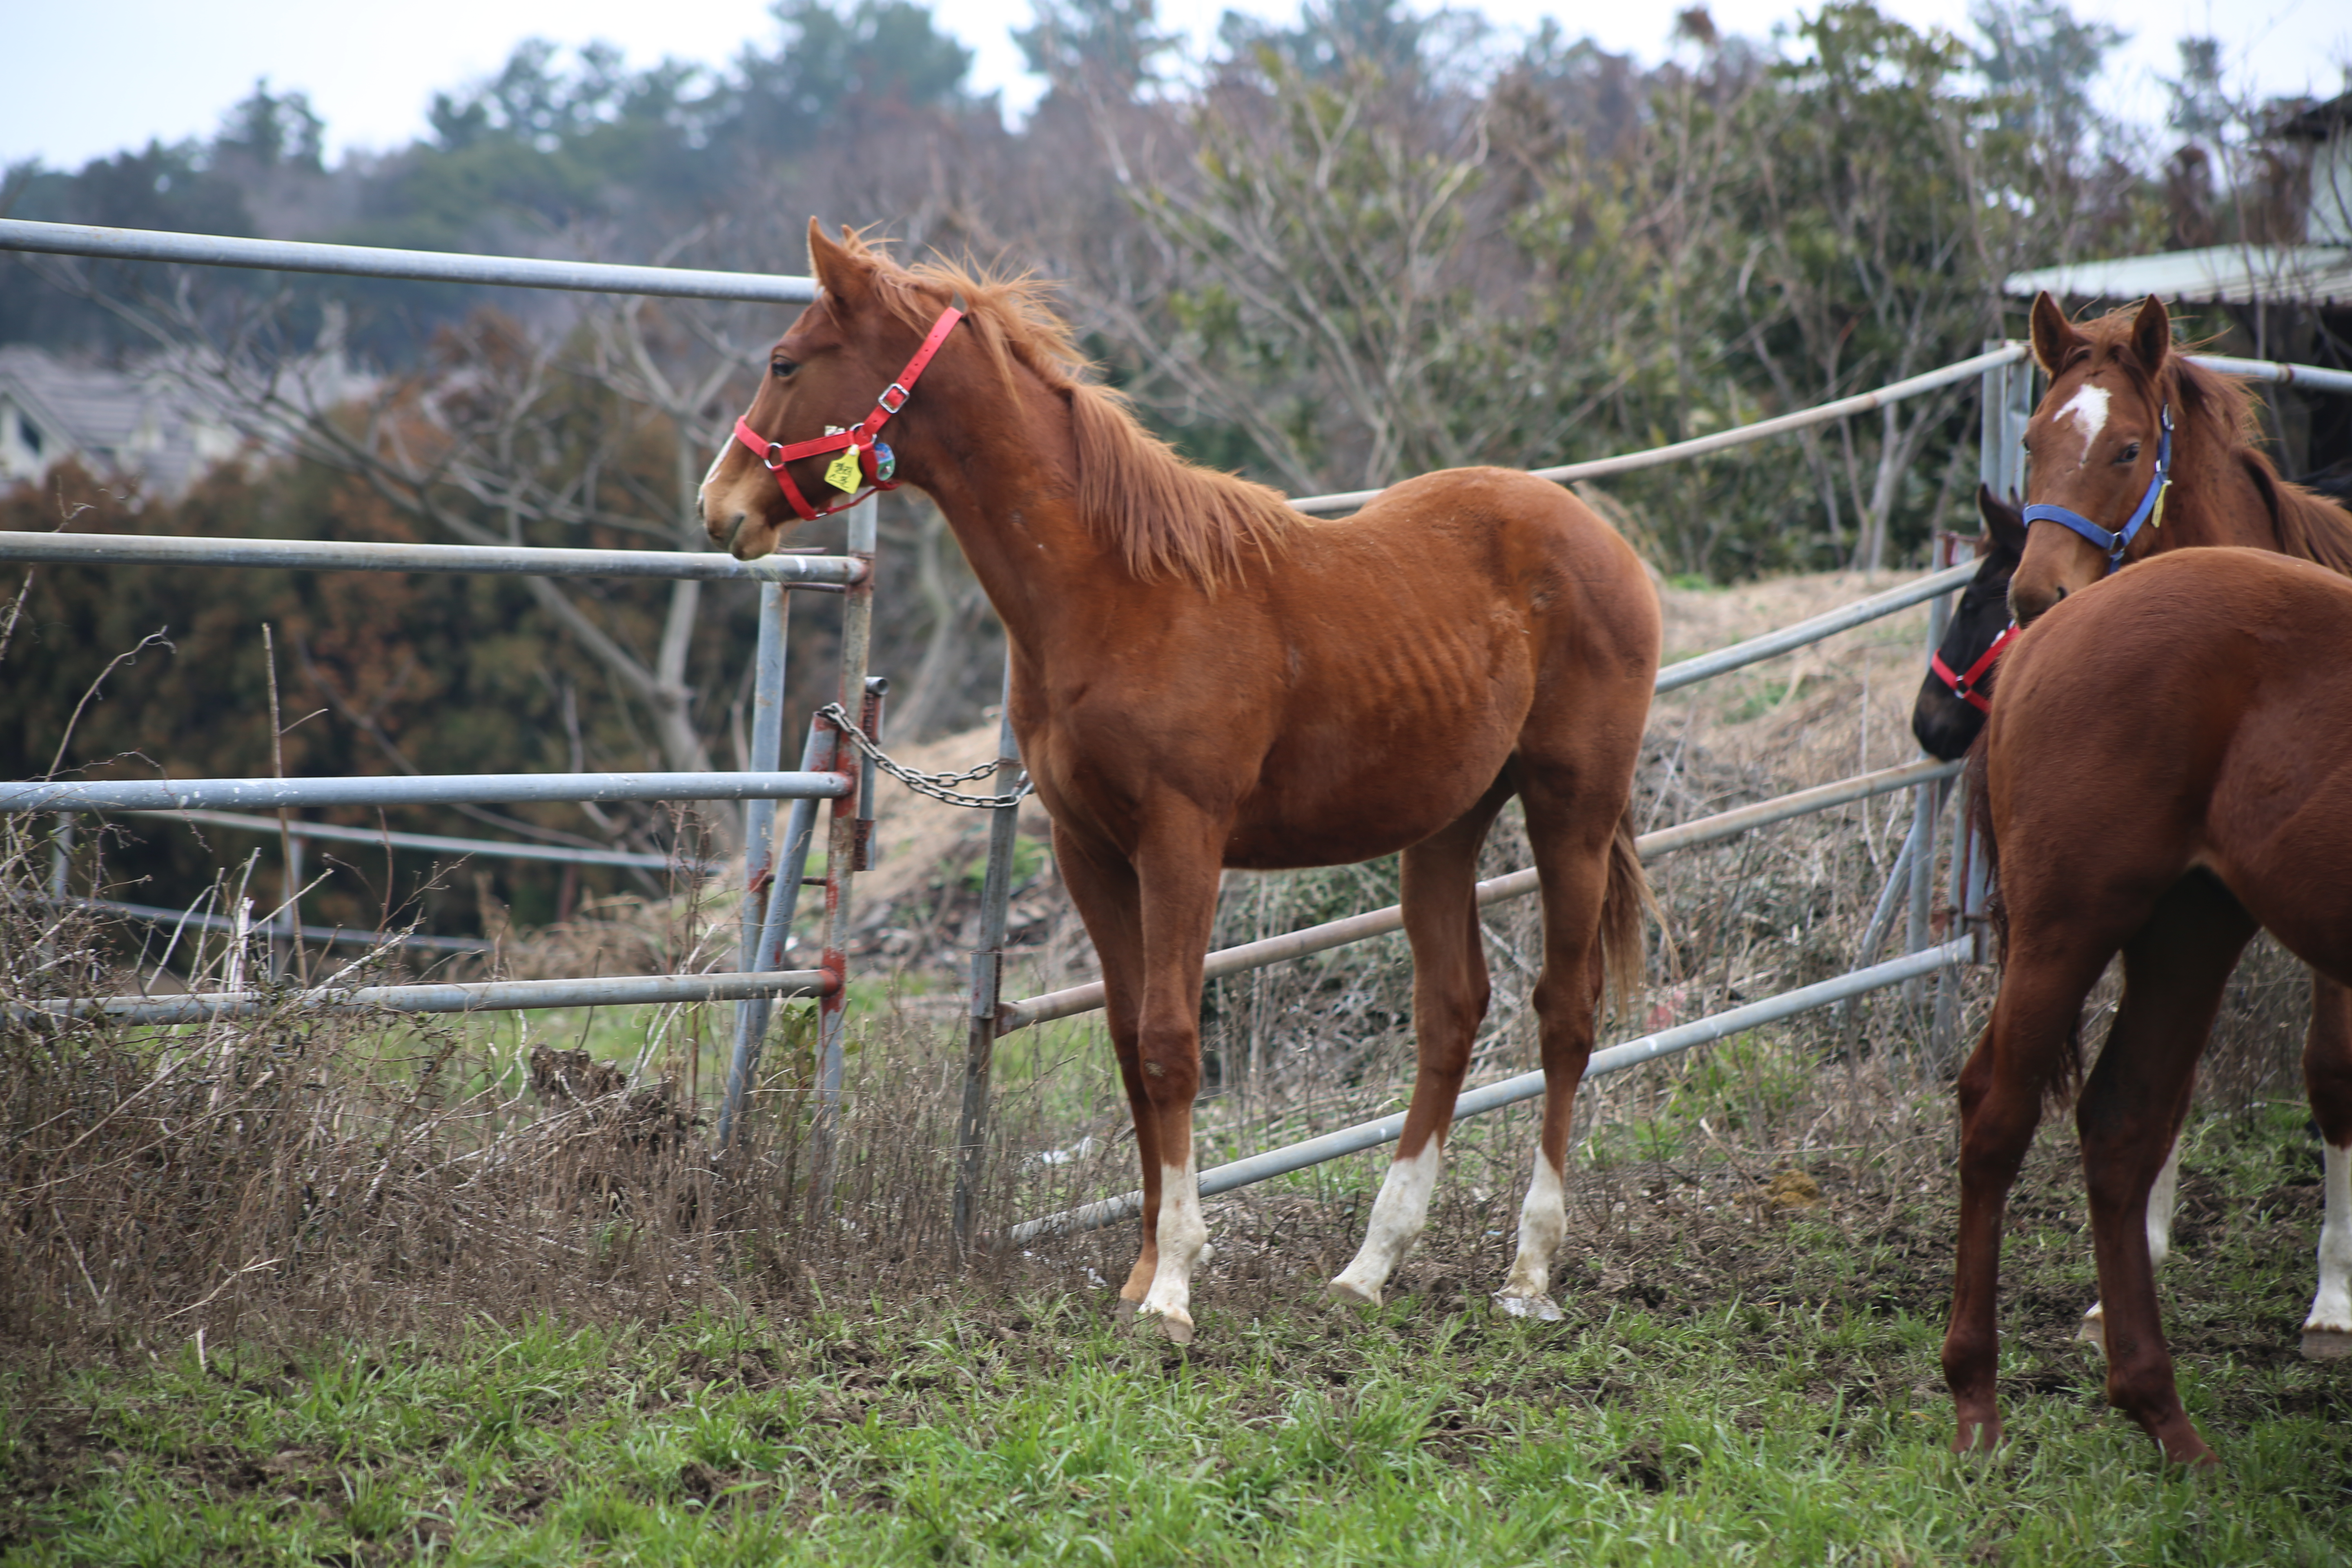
<point x="782" y="368"/>
<point x="2130" y="454"/>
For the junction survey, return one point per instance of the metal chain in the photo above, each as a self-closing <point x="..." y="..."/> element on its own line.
<point x="935" y="786"/>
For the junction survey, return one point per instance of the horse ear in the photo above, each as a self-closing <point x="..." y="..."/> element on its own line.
<point x="2152" y="334"/>
<point x="2002" y="520"/>
<point x="844" y="273"/>
<point x="2054" y="337"/>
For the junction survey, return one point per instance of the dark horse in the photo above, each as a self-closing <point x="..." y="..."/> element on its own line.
<point x="2098" y="440"/>
<point x="1203" y="678"/>
<point x="1957" y="691"/>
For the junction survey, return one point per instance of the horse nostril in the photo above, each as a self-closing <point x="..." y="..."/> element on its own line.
<point x="2061" y="594"/>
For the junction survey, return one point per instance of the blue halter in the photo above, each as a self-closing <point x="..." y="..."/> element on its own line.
<point x="2151" y="506"/>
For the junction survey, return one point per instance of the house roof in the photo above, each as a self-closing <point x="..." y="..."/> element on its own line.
<point x="2221" y="274"/>
<point x="2321" y="121"/>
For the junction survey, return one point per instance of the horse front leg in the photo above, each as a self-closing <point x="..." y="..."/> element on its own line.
<point x="1103" y="887"/>
<point x="1177" y="867"/>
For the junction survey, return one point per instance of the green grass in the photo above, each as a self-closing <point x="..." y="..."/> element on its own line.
<point x="1758" y="1392"/>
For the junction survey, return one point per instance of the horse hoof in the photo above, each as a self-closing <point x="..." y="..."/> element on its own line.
<point x="1122" y="1310"/>
<point x="1977" y="1434"/>
<point x="2327" y="1344"/>
<point x="2092" y="1331"/>
<point x="1178" y="1328"/>
<point x="1542" y="1308"/>
<point x="1348" y="1294"/>
<point x="2185" y="1448"/>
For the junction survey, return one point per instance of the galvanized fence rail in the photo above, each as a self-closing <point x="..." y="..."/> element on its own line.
<point x="826" y="772"/>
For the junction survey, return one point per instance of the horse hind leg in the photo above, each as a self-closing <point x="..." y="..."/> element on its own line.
<point x="1592" y="886"/>
<point x="2174" y="972"/>
<point x="1450" y="991"/>
<point x="2327" y="1077"/>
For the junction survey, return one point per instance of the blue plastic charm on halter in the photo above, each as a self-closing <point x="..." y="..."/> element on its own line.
<point x="2151" y="506"/>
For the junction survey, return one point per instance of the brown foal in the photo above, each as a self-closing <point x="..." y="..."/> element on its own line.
<point x="1203" y="678"/>
<point x="2095" y="438"/>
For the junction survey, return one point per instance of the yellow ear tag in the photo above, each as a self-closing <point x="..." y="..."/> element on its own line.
<point x="842" y="473"/>
<point x="2155" y="518"/>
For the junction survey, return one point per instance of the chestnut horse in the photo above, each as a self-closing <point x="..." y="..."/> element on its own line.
<point x="1949" y="714"/>
<point x="2116" y="385"/>
<point x="2097" y="437"/>
<point x="1203" y="678"/>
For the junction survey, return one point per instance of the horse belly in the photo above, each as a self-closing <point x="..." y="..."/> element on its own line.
<point x="1323" y="801"/>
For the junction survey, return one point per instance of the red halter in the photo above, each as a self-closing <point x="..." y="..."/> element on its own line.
<point x="876" y="464"/>
<point x="1965" y="686"/>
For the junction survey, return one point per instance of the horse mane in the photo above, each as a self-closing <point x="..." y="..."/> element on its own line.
<point x="1163" y="515"/>
<point x="2308" y="525"/>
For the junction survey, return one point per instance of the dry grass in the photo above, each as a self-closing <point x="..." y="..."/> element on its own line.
<point x="297" y="1173"/>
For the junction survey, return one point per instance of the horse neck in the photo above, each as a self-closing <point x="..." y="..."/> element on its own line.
<point x="2214" y="499"/>
<point x="1002" y="472"/>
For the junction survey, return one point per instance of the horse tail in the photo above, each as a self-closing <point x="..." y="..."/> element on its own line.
<point x="1974" y="775"/>
<point x="1625" y="906"/>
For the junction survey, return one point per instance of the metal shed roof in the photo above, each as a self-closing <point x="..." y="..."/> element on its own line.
<point x="2221" y="274"/>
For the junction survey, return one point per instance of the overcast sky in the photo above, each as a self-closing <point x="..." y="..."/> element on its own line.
<point x="78" y="81"/>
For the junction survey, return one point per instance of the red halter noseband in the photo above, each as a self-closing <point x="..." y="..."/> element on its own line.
<point x="875" y="462"/>
<point x="1965" y="686"/>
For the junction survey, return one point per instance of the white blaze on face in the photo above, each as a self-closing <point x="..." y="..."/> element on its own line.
<point x="1543" y="1226"/>
<point x="1398" y="1216"/>
<point x="2332" y="1308"/>
<point x="1183" y="1240"/>
<point x="2087" y="408"/>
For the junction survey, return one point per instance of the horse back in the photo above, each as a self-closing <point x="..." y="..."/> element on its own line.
<point x="2189" y="713"/>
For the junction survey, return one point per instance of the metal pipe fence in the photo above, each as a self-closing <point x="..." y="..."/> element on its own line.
<point x="1351" y="929"/>
<point x="325" y="936"/>
<point x="421" y="789"/>
<point x="415" y="265"/>
<point x="762" y="784"/>
<point x="360" y="555"/>
<point x="449" y="996"/>
<point x="435" y="843"/>
<point x="1525" y="1085"/>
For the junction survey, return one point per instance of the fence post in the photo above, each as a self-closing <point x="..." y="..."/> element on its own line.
<point x="61" y="847"/>
<point x="760" y="889"/>
<point x="987" y="976"/>
<point x="285" y="947"/>
<point x="841" y="840"/>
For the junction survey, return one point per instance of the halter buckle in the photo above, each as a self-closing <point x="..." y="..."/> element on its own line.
<point x="890" y="393"/>
<point x="773" y="456"/>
